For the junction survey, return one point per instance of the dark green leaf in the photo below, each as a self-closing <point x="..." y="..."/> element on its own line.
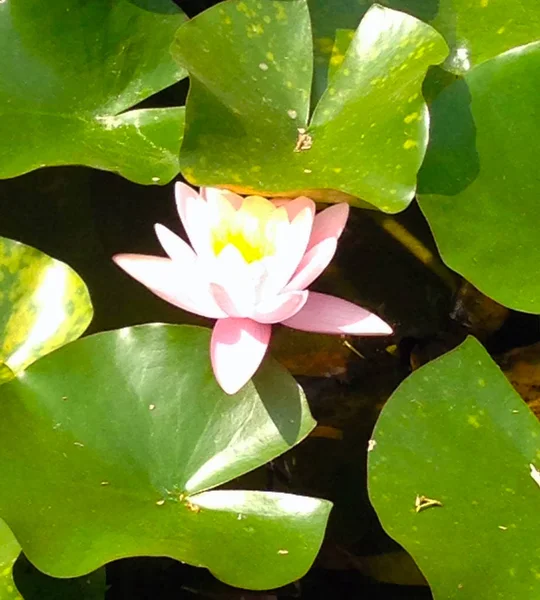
<point x="368" y="133"/>
<point x="69" y="75"/>
<point x="478" y="188"/>
<point x="455" y="432"/>
<point x="131" y="426"/>
<point x="374" y="109"/>
<point x="43" y="305"/>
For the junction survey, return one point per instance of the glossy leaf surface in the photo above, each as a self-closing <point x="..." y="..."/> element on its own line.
<point x="43" y="305"/>
<point x="367" y="136"/>
<point x="457" y="434"/>
<point x="133" y="426"/>
<point x="477" y="186"/>
<point x="478" y="30"/>
<point x="68" y="76"/>
<point x="475" y="30"/>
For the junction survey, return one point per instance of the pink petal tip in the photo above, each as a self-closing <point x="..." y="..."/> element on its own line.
<point x="328" y="314"/>
<point x="236" y="350"/>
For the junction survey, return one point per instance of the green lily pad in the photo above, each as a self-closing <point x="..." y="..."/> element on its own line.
<point x="9" y="550"/>
<point x="450" y="478"/>
<point x="330" y="17"/>
<point x="43" y="305"/>
<point x="480" y="30"/>
<point x="70" y="74"/>
<point x="133" y="429"/>
<point x="476" y="187"/>
<point x="475" y="30"/>
<point x="368" y="132"/>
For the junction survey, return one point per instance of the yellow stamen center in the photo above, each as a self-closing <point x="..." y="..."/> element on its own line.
<point x="253" y="229"/>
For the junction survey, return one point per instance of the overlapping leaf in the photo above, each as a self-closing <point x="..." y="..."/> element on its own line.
<point x="450" y="478"/>
<point x="43" y="305"/>
<point x="475" y="30"/>
<point x="478" y="186"/>
<point x="67" y="77"/>
<point x="132" y="428"/>
<point x="248" y="114"/>
<point x="482" y="29"/>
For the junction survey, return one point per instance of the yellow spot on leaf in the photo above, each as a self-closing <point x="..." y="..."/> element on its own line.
<point x="410" y="144"/>
<point x="473" y="420"/>
<point x="337" y="59"/>
<point x="255" y="29"/>
<point x="244" y="9"/>
<point x="281" y="14"/>
<point x="412" y="117"/>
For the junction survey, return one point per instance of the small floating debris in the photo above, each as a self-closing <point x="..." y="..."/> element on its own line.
<point x="423" y="502"/>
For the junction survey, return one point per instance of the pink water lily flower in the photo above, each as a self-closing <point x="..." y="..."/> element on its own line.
<point x="248" y="266"/>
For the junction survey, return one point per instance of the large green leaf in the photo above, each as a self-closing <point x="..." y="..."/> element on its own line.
<point x="368" y="133"/>
<point x="455" y="432"/>
<point x="478" y="188"/>
<point x="43" y="305"/>
<point x="68" y="76"/>
<point x="476" y="30"/>
<point x="131" y="427"/>
<point x="328" y="17"/>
